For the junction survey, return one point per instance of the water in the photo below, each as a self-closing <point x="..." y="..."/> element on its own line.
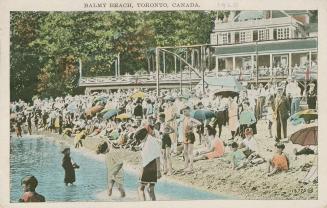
<point x="42" y="158"/>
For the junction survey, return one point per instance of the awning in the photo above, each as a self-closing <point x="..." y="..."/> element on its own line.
<point x="267" y="47"/>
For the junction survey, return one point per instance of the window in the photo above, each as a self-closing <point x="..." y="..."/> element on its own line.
<point x="267" y="34"/>
<point x="264" y="34"/>
<point x="286" y="33"/>
<point x="261" y="35"/>
<point x="226" y="38"/>
<point x="275" y="34"/>
<point x="280" y="33"/>
<point x="255" y="35"/>
<point x="237" y="37"/>
<point x="283" y="33"/>
<point x="242" y="37"/>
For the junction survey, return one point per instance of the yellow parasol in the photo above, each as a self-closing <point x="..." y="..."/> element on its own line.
<point x="123" y="116"/>
<point x="138" y="95"/>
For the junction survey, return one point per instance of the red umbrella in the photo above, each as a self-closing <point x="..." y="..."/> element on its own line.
<point x="306" y="136"/>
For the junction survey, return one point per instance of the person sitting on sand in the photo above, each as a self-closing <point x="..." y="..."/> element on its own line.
<point x="238" y="158"/>
<point x="216" y="148"/>
<point x="307" y="150"/>
<point x="312" y="175"/>
<point x="279" y="162"/>
<point x="29" y="184"/>
<point x="114" y="162"/>
<point x="249" y="148"/>
<point x="69" y="166"/>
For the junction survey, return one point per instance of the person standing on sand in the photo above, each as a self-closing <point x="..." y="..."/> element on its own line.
<point x="69" y="166"/>
<point x="114" y="163"/>
<point x="233" y="116"/>
<point x="312" y="96"/>
<point x="188" y="124"/>
<point x="280" y="113"/>
<point x="247" y="119"/>
<point x="170" y="118"/>
<point x="150" y="153"/>
<point x="29" y="184"/>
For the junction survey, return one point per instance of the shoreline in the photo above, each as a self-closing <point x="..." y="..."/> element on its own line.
<point x="215" y="176"/>
<point x="133" y="168"/>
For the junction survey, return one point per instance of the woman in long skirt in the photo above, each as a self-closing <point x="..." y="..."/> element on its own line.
<point x="69" y="166"/>
<point x="114" y="162"/>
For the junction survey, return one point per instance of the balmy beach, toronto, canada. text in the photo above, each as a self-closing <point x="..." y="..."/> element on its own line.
<point x="177" y="5"/>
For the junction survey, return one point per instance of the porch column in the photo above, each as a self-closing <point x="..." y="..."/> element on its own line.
<point x="164" y="62"/>
<point x="233" y="63"/>
<point x="252" y="64"/>
<point x="270" y="61"/>
<point x="310" y="56"/>
<point x="290" y="70"/>
<point x="175" y="63"/>
<point x="192" y="58"/>
<point x="217" y="63"/>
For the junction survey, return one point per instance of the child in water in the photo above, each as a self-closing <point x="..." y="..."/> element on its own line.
<point x="69" y="166"/>
<point x="29" y="184"/>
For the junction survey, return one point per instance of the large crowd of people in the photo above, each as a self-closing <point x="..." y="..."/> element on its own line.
<point x="166" y="126"/>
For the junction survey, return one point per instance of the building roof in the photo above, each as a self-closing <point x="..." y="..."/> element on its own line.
<point x="296" y="12"/>
<point x="251" y="15"/>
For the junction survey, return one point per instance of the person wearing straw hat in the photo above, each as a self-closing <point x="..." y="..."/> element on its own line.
<point x="280" y="113"/>
<point x="29" y="184"/>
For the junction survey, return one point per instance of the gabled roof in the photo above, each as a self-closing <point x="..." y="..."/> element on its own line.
<point x="312" y="27"/>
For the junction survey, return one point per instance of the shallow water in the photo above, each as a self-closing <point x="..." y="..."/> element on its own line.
<point x="42" y="158"/>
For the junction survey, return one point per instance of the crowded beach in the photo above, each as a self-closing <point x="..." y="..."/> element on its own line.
<point x="251" y="143"/>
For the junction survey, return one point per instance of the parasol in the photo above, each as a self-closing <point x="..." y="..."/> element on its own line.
<point x="305" y="136"/>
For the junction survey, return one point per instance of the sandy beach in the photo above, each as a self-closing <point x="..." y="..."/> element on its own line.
<point x="217" y="176"/>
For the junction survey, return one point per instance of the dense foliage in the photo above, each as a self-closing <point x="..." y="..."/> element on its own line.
<point x="46" y="46"/>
